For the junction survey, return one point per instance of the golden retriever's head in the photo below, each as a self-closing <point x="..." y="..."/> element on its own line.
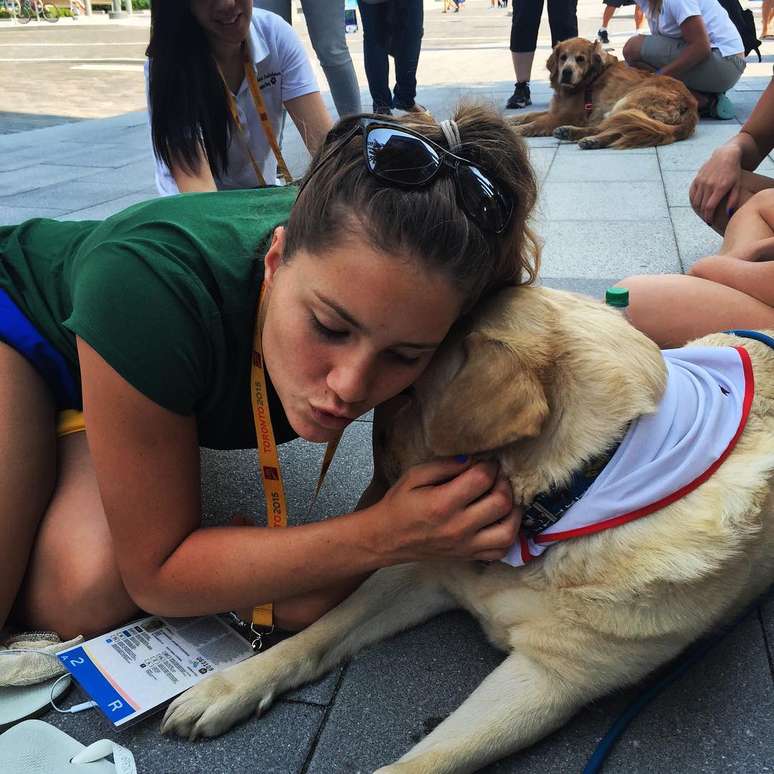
<point x="577" y="62"/>
<point x="540" y="379"/>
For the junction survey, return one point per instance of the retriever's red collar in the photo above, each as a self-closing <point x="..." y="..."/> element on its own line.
<point x="588" y="104"/>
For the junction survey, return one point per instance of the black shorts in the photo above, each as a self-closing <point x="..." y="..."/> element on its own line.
<point x="618" y="3"/>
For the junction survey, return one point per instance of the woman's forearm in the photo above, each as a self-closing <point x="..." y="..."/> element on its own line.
<point x="744" y="148"/>
<point x="690" y="56"/>
<point x="227" y="568"/>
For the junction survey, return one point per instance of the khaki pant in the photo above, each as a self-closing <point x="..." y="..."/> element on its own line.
<point x="714" y="75"/>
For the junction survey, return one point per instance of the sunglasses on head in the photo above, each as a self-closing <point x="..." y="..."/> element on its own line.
<point x="403" y="157"/>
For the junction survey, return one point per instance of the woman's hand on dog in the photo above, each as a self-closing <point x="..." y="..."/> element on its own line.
<point x="449" y="509"/>
<point x="720" y="175"/>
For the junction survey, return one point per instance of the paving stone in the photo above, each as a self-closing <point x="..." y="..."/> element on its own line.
<point x="276" y="743"/>
<point x="598" y="201"/>
<point x="68" y="196"/>
<point x="692" y="153"/>
<point x="231" y="484"/>
<point x="111" y="156"/>
<point x="572" y="148"/>
<point x="541" y="159"/>
<point x="695" y="238"/>
<point x="23" y="155"/>
<point x="607" y="248"/>
<point x="619" y="165"/>
<point x="108" y="208"/>
<point x="10" y="216"/>
<point x="36" y="176"/>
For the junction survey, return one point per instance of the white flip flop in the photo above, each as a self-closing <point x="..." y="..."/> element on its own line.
<point x="35" y="747"/>
<point x="23" y="701"/>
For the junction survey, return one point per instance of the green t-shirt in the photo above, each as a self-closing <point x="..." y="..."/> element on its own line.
<point x="165" y="291"/>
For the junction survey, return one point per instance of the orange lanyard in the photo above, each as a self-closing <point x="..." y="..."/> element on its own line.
<point x="260" y="109"/>
<point x="268" y="457"/>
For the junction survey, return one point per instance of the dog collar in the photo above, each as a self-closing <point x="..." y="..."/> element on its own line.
<point x="588" y="104"/>
<point x="548" y="507"/>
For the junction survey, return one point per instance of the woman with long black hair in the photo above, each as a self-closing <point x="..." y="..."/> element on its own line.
<point x="219" y="74"/>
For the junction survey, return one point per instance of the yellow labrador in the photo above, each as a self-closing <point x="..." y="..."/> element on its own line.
<point x="543" y="381"/>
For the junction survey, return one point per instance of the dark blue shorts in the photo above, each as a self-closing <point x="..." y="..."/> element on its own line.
<point x="18" y="332"/>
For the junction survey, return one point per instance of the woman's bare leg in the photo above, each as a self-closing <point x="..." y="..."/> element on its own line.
<point x="72" y="585"/>
<point x="674" y="308"/>
<point x="28" y="469"/>
<point x="752" y="222"/>
<point x="752" y="183"/>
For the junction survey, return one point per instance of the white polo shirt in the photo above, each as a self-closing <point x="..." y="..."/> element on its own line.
<point x="283" y="73"/>
<point x="722" y="33"/>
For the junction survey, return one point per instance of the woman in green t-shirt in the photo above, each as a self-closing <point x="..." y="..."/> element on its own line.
<point x="398" y="229"/>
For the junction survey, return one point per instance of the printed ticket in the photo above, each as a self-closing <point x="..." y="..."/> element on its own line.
<point x="134" y="670"/>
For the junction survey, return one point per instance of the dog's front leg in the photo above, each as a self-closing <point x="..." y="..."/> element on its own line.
<point x="527" y="118"/>
<point x="543" y="125"/>
<point x="519" y="703"/>
<point x="392" y="599"/>
<point x="573" y="133"/>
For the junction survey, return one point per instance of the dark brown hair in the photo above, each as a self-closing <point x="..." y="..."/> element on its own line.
<point x="426" y="224"/>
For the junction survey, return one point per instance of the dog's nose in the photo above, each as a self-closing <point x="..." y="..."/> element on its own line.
<point x="566" y="75"/>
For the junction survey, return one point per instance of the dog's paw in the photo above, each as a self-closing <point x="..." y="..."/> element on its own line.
<point x="563" y="133"/>
<point x="589" y="143"/>
<point x="213" y="706"/>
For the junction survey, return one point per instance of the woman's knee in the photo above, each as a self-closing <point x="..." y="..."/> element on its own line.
<point x="77" y="594"/>
<point x="632" y="49"/>
<point x="762" y="202"/>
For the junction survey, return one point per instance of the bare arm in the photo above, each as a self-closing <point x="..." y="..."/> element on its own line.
<point x="721" y="174"/>
<point x="197" y="179"/>
<point x="311" y="118"/>
<point x="146" y="459"/>
<point x="696" y="50"/>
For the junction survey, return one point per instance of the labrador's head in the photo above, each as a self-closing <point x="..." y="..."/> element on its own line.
<point x="540" y="378"/>
<point x="576" y="61"/>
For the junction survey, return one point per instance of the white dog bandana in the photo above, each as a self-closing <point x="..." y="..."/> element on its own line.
<point x="664" y="455"/>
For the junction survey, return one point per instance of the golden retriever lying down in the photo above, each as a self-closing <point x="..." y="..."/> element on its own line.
<point x="544" y="381"/>
<point x="601" y="102"/>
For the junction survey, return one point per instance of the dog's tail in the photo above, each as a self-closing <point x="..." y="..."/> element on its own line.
<point x="636" y="129"/>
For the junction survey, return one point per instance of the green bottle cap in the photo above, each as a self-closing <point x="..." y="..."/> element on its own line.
<point x="617" y="297"/>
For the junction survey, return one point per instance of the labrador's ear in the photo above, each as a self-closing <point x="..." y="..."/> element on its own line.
<point x="496" y="398"/>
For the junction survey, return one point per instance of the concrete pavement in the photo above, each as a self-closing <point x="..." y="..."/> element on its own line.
<point x="603" y="215"/>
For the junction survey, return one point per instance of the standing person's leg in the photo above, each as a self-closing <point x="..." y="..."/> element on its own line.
<point x="563" y="20"/>
<point x="377" y="66"/>
<point x="607" y="15"/>
<point x="408" y="20"/>
<point x="28" y="470"/>
<point x="280" y="7"/>
<point x="524" y="33"/>
<point x="639" y="17"/>
<point x="767" y="12"/>
<point x="325" y="22"/>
